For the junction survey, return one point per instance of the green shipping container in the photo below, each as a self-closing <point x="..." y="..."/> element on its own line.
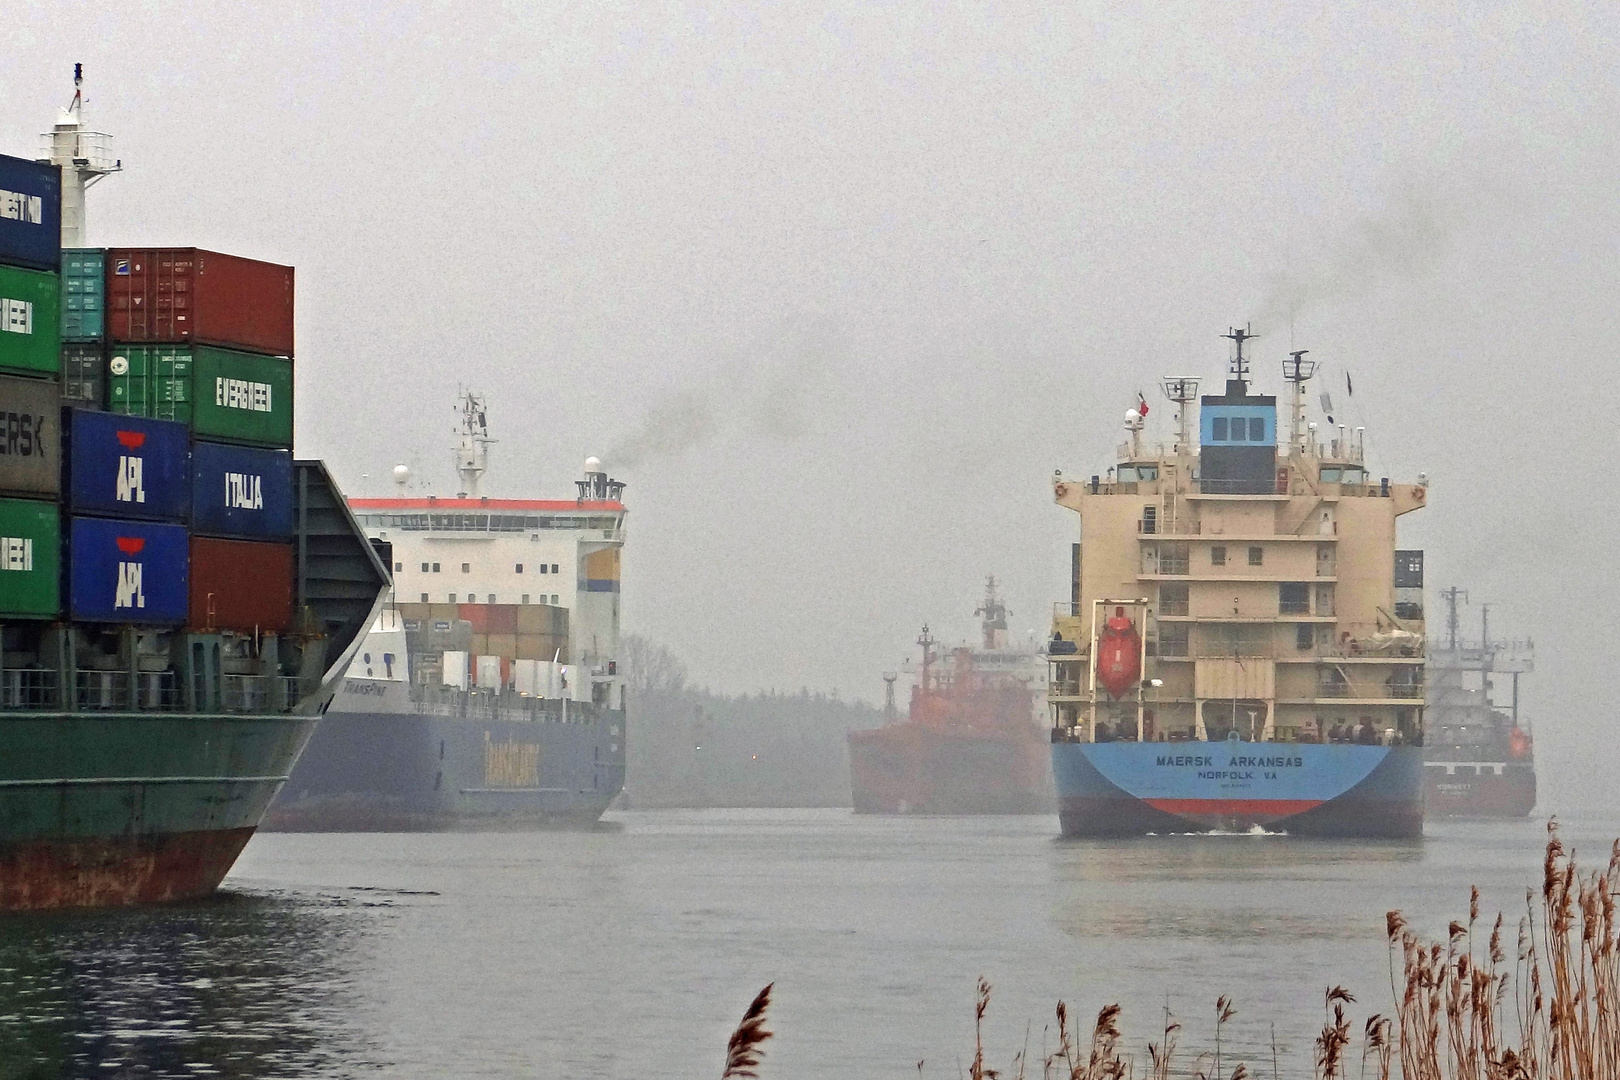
<point x="150" y="380"/>
<point x="224" y="395"/>
<point x="242" y="397"/>
<point x="30" y="559"/>
<point x="84" y="294"/>
<point x="30" y="317"/>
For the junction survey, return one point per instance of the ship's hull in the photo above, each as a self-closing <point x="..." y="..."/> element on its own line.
<point x="108" y="809"/>
<point x="924" y="769"/>
<point x="396" y="770"/>
<point x="1475" y="789"/>
<point x="1304" y="789"/>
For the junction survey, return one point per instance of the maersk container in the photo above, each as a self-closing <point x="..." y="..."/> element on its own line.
<point x="84" y="375"/>
<point x="150" y="380"/>
<point x="30" y="316"/>
<point x="84" y="294"/>
<point x="30" y="436"/>
<point x="30" y="559"/>
<point x="242" y="397"/>
<point x="30" y="213"/>
<point x="241" y="491"/>
<point x="189" y="296"/>
<point x="128" y="466"/>
<point x="127" y="571"/>
<point x="242" y="585"/>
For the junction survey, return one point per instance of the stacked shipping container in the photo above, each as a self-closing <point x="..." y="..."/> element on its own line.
<point x="145" y="427"/>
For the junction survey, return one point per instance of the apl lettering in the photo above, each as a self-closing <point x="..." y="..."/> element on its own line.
<point x="15" y="206"/>
<point x="16" y="316"/>
<point x="241" y="394"/>
<point x="244" y="491"/>
<point x="17" y="553"/>
<point x="129" y="479"/>
<point x="128" y="593"/>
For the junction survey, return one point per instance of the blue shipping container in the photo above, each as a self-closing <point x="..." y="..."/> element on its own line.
<point x="241" y="491"/>
<point x="30" y="214"/>
<point x="84" y="294"/>
<point x="128" y="466"/>
<point x="127" y="571"/>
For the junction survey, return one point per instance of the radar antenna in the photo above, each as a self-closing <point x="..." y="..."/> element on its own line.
<point x="994" y="613"/>
<point x="1183" y="390"/>
<point x="1298" y="371"/>
<point x="83" y="157"/>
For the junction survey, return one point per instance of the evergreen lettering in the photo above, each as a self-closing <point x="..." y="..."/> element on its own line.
<point x="241" y="394"/>
<point x="16" y="316"/>
<point x="16" y="553"/>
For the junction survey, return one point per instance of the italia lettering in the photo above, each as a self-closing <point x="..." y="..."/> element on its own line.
<point x="241" y="394"/>
<point x="15" y="206"/>
<point x="16" y="316"/>
<point x="129" y="479"/>
<point x="129" y="594"/>
<point x="244" y="491"/>
<point x="22" y="434"/>
<point x="16" y="553"/>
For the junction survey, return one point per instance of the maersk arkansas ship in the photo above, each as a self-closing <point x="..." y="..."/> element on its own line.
<point x="487" y="694"/>
<point x="1235" y="652"/>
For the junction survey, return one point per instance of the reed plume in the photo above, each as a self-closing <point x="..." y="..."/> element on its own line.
<point x="745" y="1049"/>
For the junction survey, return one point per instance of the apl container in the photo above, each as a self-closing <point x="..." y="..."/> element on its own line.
<point x="240" y="585"/>
<point x="127" y="571"/>
<point x="185" y="295"/>
<point x="84" y="375"/>
<point x="29" y="318"/>
<point x="128" y="466"/>
<point x="30" y="559"/>
<point x="150" y="380"/>
<point x="30" y="436"/>
<point x="241" y="491"/>
<point x="30" y="213"/>
<point x="84" y="294"/>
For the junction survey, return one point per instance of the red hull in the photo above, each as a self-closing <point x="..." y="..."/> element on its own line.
<point x="105" y="872"/>
<point x="914" y="768"/>
<point x="1511" y="794"/>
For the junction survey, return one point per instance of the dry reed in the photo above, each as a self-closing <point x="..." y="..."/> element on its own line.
<point x="746" y="1047"/>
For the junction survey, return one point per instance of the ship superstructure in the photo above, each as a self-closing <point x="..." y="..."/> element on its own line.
<point x="488" y="694"/>
<point x="1244" y="644"/>
<point x="971" y="742"/>
<point x="1480" y="755"/>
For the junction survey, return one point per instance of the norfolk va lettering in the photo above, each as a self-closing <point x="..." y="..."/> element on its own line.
<point x="1238" y="766"/>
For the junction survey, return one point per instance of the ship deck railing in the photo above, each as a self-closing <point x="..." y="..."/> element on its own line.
<point x="100" y="691"/>
<point x="491" y="705"/>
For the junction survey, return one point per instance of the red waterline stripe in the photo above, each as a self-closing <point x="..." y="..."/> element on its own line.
<point x="1279" y="807"/>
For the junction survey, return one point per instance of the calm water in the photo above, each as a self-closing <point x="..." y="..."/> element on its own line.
<point x="631" y="950"/>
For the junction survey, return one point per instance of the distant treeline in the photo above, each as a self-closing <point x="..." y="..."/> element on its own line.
<point x="692" y="747"/>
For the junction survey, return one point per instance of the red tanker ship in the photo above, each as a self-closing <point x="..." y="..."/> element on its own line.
<point x="970" y="743"/>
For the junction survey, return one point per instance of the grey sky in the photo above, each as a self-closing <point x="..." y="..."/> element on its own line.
<point x="886" y="266"/>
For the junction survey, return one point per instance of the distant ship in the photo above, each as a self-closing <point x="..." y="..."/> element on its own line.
<point x="487" y="694"/>
<point x="1480" y="760"/>
<point x="970" y="743"/>
<point x="1243" y="644"/>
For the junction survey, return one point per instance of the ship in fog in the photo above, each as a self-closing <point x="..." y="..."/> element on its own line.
<point x="487" y="694"/>
<point x="1237" y="651"/>
<point x="970" y="742"/>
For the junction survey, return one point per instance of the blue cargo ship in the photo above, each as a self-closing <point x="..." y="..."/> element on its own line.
<point x="1243" y="645"/>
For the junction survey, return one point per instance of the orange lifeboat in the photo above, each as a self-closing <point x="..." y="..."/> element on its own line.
<point x="1119" y="654"/>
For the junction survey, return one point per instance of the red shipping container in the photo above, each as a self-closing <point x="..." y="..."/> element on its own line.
<point x="477" y="614"/>
<point x="502" y="619"/>
<point x="189" y="296"/>
<point x="241" y="585"/>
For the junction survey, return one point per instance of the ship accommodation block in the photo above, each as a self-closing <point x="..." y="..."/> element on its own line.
<point x="1264" y="586"/>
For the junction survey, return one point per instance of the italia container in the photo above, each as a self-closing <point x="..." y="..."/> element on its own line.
<point x="224" y="394"/>
<point x="186" y="295"/>
<point x="84" y="375"/>
<point x="30" y="559"/>
<point x="127" y="571"/>
<point x="241" y="491"/>
<point x="30" y="214"/>
<point x="84" y="294"/>
<point x="30" y="437"/>
<point x="30" y="315"/>
<point x="127" y="466"/>
<point x="241" y="585"/>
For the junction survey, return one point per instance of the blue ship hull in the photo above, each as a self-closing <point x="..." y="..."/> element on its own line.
<point x="1306" y="789"/>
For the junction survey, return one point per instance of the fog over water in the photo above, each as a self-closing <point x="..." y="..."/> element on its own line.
<point x="836" y="286"/>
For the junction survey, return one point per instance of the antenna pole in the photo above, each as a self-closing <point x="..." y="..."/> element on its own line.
<point x="1298" y="371"/>
<point x="83" y="158"/>
<point x="1450" y="596"/>
<point x="1237" y="385"/>
<point x="1183" y="390"/>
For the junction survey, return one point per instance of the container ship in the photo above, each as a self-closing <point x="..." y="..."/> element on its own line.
<point x="1243" y="646"/>
<point x="1480" y="758"/>
<point x="178" y="593"/>
<point x="971" y="742"/>
<point x="486" y="695"/>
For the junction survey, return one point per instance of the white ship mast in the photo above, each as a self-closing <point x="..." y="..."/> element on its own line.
<point x="83" y="156"/>
<point x="472" y="453"/>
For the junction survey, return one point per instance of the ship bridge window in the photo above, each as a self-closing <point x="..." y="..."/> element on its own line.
<point x="466" y="568"/>
<point x="543" y="568"/>
<point x="520" y="568"/>
<point x="435" y="568"/>
<point x="1355" y="476"/>
<point x="553" y="568"/>
<point x="424" y="568"/>
<point x="1218" y="428"/>
<point x="1332" y="476"/>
